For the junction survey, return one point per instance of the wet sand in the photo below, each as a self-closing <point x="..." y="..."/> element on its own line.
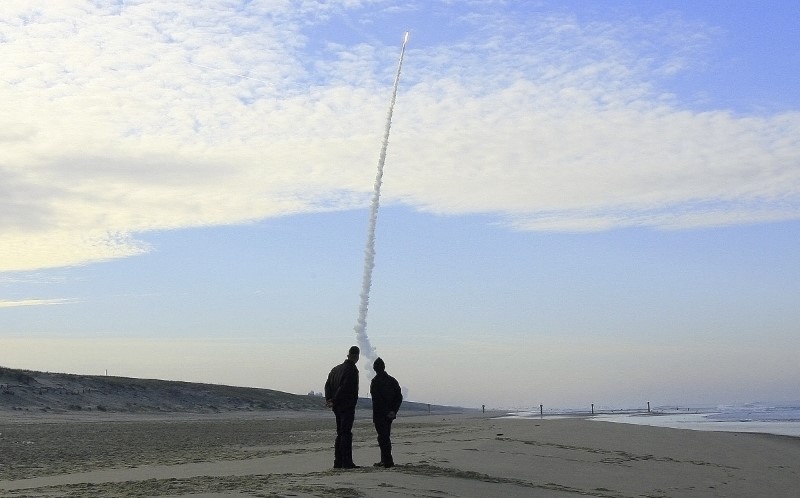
<point x="472" y="455"/>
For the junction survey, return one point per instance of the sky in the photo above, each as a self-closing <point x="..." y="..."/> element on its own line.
<point x="582" y="202"/>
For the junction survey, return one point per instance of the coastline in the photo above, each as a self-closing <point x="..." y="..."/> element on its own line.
<point x="707" y="422"/>
<point x="761" y="418"/>
<point x="290" y="453"/>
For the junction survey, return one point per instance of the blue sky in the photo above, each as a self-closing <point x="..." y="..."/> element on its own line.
<point x="582" y="202"/>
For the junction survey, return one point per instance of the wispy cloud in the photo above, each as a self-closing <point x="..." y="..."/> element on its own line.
<point x="115" y="125"/>
<point x="4" y="303"/>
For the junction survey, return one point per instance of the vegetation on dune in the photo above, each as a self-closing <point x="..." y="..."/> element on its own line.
<point x="28" y="390"/>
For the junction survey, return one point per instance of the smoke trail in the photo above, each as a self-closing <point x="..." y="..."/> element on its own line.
<point x="367" y="351"/>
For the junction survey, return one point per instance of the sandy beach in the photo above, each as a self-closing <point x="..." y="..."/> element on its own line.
<point x="472" y="455"/>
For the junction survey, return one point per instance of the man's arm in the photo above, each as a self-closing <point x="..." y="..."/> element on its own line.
<point x="349" y="384"/>
<point x="329" y="394"/>
<point x="398" y="396"/>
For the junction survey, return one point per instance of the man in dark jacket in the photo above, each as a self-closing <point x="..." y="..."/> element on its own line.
<point x="341" y="395"/>
<point x="386" y="400"/>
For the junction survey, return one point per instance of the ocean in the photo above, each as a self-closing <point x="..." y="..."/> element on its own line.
<point x="769" y="418"/>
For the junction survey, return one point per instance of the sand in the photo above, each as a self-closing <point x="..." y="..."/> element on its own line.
<point x="471" y="455"/>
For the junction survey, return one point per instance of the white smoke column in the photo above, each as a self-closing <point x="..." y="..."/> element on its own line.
<point x="367" y="351"/>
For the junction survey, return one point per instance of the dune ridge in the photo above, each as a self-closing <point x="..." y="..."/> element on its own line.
<point x="32" y="391"/>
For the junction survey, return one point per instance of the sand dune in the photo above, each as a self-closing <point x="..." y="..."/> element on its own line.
<point x="33" y="392"/>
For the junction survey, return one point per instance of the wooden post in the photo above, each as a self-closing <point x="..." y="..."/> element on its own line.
<point x="541" y="410"/>
<point x="592" y="408"/>
<point x="648" y="407"/>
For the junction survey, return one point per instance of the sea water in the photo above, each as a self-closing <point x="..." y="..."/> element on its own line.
<point x="768" y="418"/>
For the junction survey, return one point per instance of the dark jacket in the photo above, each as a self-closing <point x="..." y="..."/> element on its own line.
<point x="342" y="385"/>
<point x="386" y="394"/>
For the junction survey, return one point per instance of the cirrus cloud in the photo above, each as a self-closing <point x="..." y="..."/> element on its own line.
<point x="158" y="116"/>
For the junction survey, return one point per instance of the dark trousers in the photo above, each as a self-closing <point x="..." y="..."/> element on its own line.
<point x="343" y="450"/>
<point x="383" y="426"/>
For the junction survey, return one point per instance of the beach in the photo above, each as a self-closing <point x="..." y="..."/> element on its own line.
<point x="474" y="455"/>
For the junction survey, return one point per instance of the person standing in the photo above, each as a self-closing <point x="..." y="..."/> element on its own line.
<point x="341" y="396"/>
<point x="386" y="400"/>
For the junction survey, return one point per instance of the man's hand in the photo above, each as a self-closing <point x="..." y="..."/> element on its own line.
<point x="391" y="415"/>
<point x="329" y="403"/>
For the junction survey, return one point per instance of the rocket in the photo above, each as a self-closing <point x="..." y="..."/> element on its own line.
<point x="369" y="252"/>
<point x="403" y="50"/>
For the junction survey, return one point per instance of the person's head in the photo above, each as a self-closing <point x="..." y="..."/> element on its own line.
<point x="353" y="353"/>
<point x="379" y="366"/>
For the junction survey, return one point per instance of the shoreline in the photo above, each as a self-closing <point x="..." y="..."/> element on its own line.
<point x="698" y="420"/>
<point x="472" y="454"/>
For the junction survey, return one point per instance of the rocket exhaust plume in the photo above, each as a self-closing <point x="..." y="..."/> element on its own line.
<point x="369" y="253"/>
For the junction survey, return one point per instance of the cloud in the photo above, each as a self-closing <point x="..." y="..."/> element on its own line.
<point x="4" y="303"/>
<point x="116" y="125"/>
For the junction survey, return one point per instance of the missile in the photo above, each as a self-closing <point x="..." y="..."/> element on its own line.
<point x="405" y="38"/>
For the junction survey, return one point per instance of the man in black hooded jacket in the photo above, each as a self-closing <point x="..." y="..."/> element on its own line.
<point x="341" y="395"/>
<point x="386" y="400"/>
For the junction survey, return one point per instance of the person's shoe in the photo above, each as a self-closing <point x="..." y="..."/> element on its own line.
<point x="377" y="464"/>
<point x="388" y="465"/>
<point x="337" y="465"/>
<point x="350" y="466"/>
